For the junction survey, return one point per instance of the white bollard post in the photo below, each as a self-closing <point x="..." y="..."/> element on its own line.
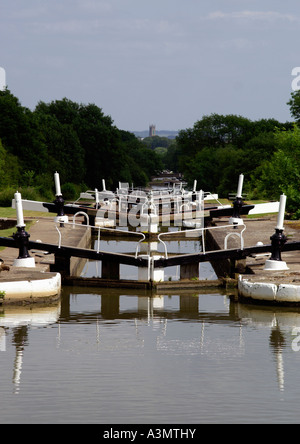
<point x="280" y="218"/>
<point x="21" y="237"/>
<point x="235" y="219"/>
<point x="275" y="263"/>
<point x="59" y="202"/>
<point x="57" y="184"/>
<point x="97" y="206"/>
<point x="240" y="186"/>
<point x="19" y="209"/>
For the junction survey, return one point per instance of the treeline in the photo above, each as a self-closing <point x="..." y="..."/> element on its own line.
<point x="84" y="146"/>
<point x="79" y="141"/>
<point x="219" y="148"/>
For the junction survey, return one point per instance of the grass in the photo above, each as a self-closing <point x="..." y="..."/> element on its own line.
<point x="8" y="212"/>
<point x="255" y="216"/>
<point x="8" y="232"/>
<point x="293" y="224"/>
<point x="11" y="213"/>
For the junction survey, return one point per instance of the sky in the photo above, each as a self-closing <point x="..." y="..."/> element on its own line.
<point x="161" y="62"/>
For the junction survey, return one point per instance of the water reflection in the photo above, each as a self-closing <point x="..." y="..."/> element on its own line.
<point x="281" y="322"/>
<point x="130" y="304"/>
<point x="129" y="246"/>
<point x="156" y="311"/>
<point x="19" y="320"/>
<point x="117" y="327"/>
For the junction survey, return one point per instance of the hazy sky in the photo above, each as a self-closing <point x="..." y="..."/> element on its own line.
<point x="167" y="62"/>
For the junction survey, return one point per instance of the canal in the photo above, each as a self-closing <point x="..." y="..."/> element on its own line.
<point x="126" y="357"/>
<point x="113" y="356"/>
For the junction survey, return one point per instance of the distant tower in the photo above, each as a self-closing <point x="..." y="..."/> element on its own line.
<point x="2" y="79"/>
<point x="151" y="130"/>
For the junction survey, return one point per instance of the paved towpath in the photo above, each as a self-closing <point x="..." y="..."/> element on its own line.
<point x="260" y="230"/>
<point x="44" y="230"/>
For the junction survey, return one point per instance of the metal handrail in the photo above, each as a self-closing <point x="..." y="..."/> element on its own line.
<point x="170" y="233"/>
<point x="203" y="238"/>
<point x="240" y="235"/>
<point x="207" y="193"/>
<point x="73" y="224"/>
<point x="83" y="214"/>
<point x="139" y="242"/>
<point x="200" y="230"/>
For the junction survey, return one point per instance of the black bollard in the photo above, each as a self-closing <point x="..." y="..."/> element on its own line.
<point x="59" y="207"/>
<point x="277" y="241"/>
<point x="22" y="240"/>
<point x="59" y="202"/>
<point x="237" y="204"/>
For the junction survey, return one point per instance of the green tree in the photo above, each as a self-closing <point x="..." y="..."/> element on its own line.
<point x="218" y="148"/>
<point x="281" y="173"/>
<point x="64" y="151"/>
<point x="143" y="162"/>
<point x="294" y="104"/>
<point x="20" y="133"/>
<point x="84" y="145"/>
<point x="157" y="141"/>
<point x="104" y="158"/>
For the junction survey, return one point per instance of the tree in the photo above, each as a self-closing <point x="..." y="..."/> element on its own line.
<point x="84" y="146"/>
<point x="218" y="148"/>
<point x="20" y="133"/>
<point x="281" y="173"/>
<point x="64" y="151"/>
<point x="143" y="162"/>
<point x="294" y="104"/>
<point x="157" y="141"/>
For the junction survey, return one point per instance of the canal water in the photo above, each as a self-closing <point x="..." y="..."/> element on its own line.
<point x="112" y="356"/>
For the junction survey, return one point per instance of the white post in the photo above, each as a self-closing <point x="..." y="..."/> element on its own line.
<point x="24" y="259"/>
<point x="275" y="263"/>
<point x="57" y="184"/>
<point x="237" y="204"/>
<point x="195" y="186"/>
<point x="240" y="186"/>
<point x="280" y="218"/>
<point x="61" y="217"/>
<point x="19" y="208"/>
<point x="103" y="185"/>
<point x="97" y="198"/>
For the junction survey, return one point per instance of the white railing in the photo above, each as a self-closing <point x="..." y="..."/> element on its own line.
<point x="82" y="214"/>
<point x="73" y="224"/>
<point x="201" y="233"/>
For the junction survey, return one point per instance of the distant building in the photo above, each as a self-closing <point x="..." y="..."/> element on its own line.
<point x="2" y="79"/>
<point x="151" y="130"/>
